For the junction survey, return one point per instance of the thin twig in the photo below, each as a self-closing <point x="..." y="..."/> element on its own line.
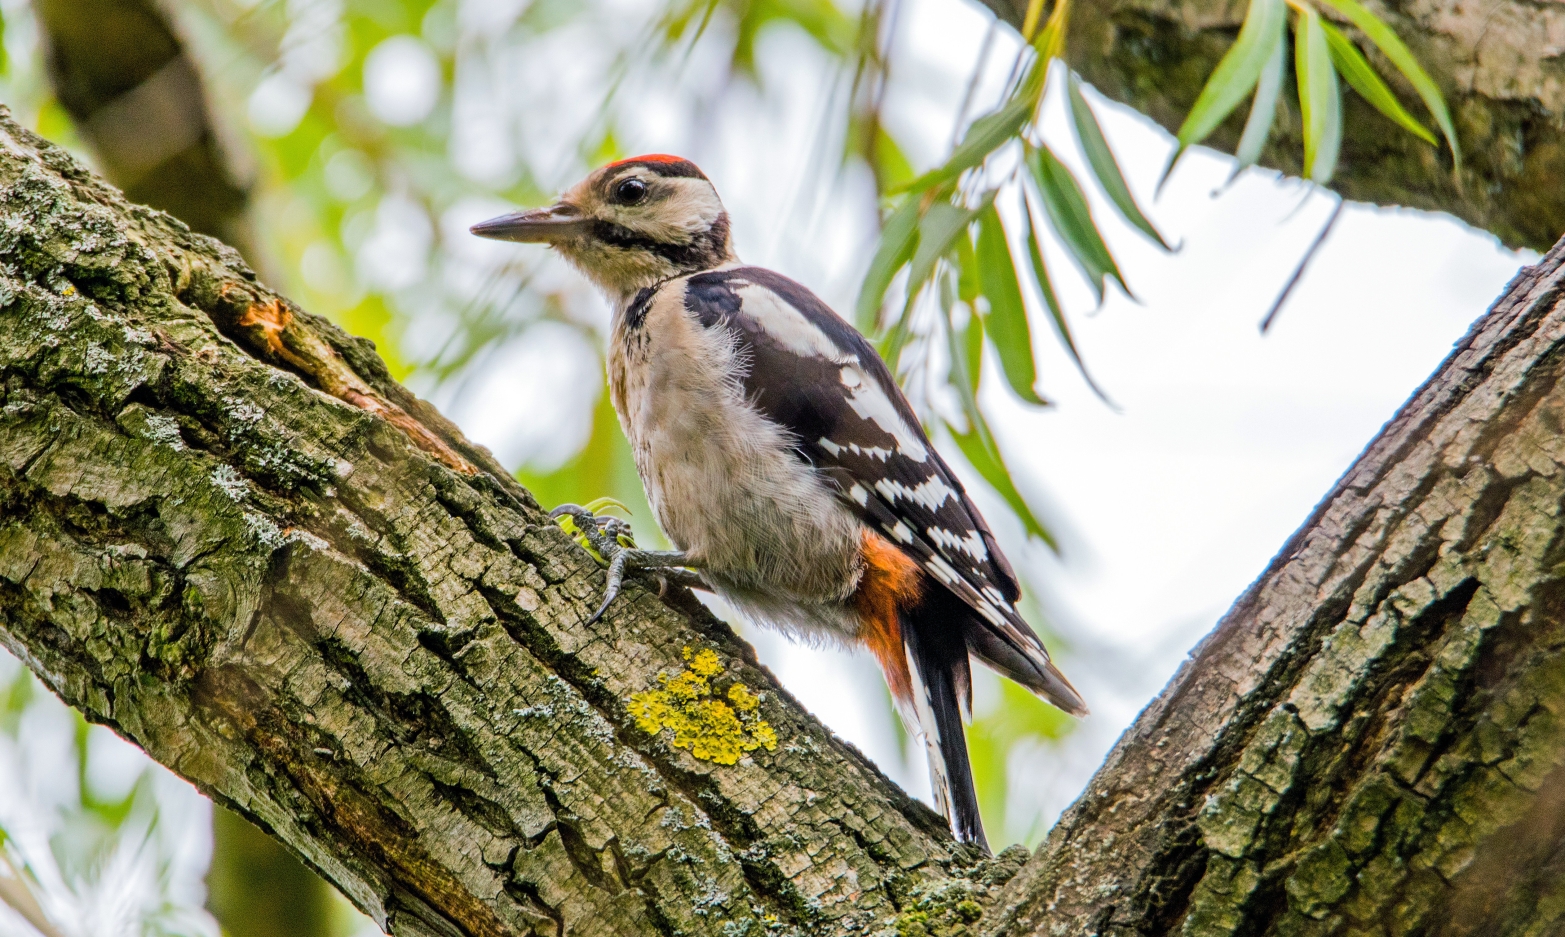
<point x="1298" y="272"/>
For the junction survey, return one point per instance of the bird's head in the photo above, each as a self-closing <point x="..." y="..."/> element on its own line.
<point x="629" y="225"/>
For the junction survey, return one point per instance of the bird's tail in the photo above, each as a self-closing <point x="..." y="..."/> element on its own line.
<point x="941" y="689"/>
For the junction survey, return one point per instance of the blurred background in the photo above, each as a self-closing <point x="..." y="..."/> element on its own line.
<point x="344" y="146"/>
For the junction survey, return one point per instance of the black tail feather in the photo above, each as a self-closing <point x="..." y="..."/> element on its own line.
<point x="942" y="687"/>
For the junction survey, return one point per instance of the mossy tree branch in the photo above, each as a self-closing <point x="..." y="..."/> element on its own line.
<point x="225" y="533"/>
<point x="1498" y="64"/>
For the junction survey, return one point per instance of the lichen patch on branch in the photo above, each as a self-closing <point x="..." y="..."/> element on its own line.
<point x="712" y="727"/>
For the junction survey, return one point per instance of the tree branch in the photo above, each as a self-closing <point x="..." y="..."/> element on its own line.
<point x="125" y="78"/>
<point x="1497" y="64"/>
<point x="1370" y="741"/>
<point x="227" y="534"/>
<point x="230" y="537"/>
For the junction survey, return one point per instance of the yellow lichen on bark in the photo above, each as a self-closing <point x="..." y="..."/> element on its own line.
<point x="709" y="726"/>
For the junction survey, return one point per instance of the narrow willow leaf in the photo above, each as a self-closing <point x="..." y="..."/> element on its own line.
<point x="1007" y="316"/>
<point x="1356" y="69"/>
<point x="1394" y="49"/>
<point x="966" y="345"/>
<point x="937" y="231"/>
<point x="1040" y="274"/>
<point x="977" y="445"/>
<point x="1263" y="110"/>
<point x="1072" y="220"/>
<point x="968" y="287"/>
<point x="1030" y="21"/>
<point x="985" y="135"/>
<point x="1236" y="73"/>
<point x="1102" y="161"/>
<point x="892" y="168"/>
<point x="1050" y="42"/>
<point x="940" y="226"/>
<point x="1320" y="101"/>
<point x="898" y="239"/>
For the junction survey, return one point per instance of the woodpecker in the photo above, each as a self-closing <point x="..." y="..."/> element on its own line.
<point x="784" y="463"/>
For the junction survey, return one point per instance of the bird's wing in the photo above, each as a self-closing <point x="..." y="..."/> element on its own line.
<point x="816" y="376"/>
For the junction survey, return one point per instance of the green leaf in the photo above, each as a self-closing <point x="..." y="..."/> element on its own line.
<point x="1320" y="101"/>
<point x="977" y="445"/>
<point x="1394" y="49"/>
<point x="891" y="163"/>
<point x="1050" y="41"/>
<point x="1007" y="317"/>
<point x="1356" y="69"/>
<point x="941" y="225"/>
<point x="985" y="135"/>
<point x="898" y="238"/>
<point x="1102" y="161"/>
<point x="938" y="230"/>
<point x="1263" y="109"/>
<point x="1030" y="20"/>
<point x="1235" y="74"/>
<point x="968" y="286"/>
<point x="1040" y="274"/>
<point x="966" y="345"/>
<point x="1072" y="220"/>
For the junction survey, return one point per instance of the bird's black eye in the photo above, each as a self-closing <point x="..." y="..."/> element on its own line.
<point x="630" y="191"/>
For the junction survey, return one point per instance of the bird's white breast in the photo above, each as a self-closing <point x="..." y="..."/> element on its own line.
<point x="723" y="480"/>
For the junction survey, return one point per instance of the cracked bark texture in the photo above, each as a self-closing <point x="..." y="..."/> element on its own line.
<point x="1498" y="62"/>
<point x="226" y="534"/>
<point x="1372" y="741"/>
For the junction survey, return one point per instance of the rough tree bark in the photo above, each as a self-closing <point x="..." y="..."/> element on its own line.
<point x="225" y="533"/>
<point x="1498" y="64"/>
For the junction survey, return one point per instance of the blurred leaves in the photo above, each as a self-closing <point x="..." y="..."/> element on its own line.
<point x="1320" y="103"/>
<point x="1104" y="166"/>
<point x="1006" y="317"/>
<point x="1321" y="53"/>
<point x="84" y="848"/>
<point x="1236" y="73"/>
<point x="1071" y="219"/>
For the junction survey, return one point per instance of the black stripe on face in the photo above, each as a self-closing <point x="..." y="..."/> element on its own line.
<point x="707" y="249"/>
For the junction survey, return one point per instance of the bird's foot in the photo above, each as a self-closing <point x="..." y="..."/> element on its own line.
<point x="609" y="541"/>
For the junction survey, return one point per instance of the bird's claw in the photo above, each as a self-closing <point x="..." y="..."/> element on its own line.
<point x="609" y="541"/>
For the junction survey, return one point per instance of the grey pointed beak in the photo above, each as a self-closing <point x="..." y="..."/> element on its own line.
<point x="535" y="226"/>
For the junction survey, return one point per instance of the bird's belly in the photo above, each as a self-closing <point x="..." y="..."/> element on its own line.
<point x="745" y="507"/>
<point x="765" y="528"/>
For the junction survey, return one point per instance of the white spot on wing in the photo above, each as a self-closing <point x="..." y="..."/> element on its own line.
<point x="902" y="532"/>
<point x="871" y="403"/>
<point x="972" y="544"/>
<point x="830" y="446"/>
<point x="931" y="493"/>
<point x="857" y="493"/>
<point x="787" y="325"/>
<point x="942" y="570"/>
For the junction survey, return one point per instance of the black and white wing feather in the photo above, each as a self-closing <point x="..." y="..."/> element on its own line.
<point x="812" y="373"/>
